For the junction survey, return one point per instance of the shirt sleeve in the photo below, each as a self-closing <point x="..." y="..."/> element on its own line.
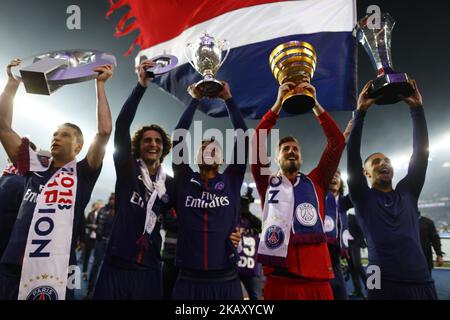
<point x="122" y="139"/>
<point x="85" y="172"/>
<point x="415" y="178"/>
<point x="331" y="156"/>
<point x="240" y="157"/>
<point x="357" y="183"/>
<point x="260" y="169"/>
<point x="180" y="154"/>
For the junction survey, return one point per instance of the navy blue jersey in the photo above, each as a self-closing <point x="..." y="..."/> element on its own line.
<point x="390" y="220"/>
<point x="11" y="193"/>
<point x="207" y="211"/>
<point x="132" y="197"/>
<point x="35" y="182"/>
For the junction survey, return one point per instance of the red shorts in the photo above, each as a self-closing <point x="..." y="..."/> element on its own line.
<point x="283" y="288"/>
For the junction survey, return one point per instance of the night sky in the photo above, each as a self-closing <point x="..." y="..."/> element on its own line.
<point x="420" y="47"/>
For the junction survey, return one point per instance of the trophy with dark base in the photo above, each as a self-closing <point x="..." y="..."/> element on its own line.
<point x="295" y="61"/>
<point x="376" y="40"/>
<point x="206" y="57"/>
<point x="46" y="72"/>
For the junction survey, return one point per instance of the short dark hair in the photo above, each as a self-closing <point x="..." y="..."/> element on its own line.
<point x="287" y="139"/>
<point x="137" y="137"/>
<point x="367" y="159"/>
<point x="78" y="132"/>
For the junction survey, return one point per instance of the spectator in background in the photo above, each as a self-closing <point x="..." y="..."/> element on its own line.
<point x="250" y="272"/>
<point x="90" y="235"/>
<point x="169" y="270"/>
<point x="355" y="267"/>
<point x="430" y="238"/>
<point x="336" y="229"/>
<point x="104" y="225"/>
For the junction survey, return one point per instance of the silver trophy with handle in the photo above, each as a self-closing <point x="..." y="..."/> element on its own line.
<point x="206" y="56"/>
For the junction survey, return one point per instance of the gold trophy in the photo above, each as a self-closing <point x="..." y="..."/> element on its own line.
<point x="295" y="61"/>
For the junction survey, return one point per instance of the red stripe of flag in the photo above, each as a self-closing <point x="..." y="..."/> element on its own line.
<point x="163" y="20"/>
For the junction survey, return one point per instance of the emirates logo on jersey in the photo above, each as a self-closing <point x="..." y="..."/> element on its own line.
<point x="208" y="200"/>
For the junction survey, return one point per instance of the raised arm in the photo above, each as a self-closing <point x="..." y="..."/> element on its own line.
<point x="331" y="156"/>
<point x="96" y="151"/>
<point x="9" y="138"/>
<point x="260" y="165"/>
<point x="122" y="138"/>
<point x="357" y="183"/>
<point x="240" y="161"/>
<point x="179" y="157"/>
<point x="418" y="163"/>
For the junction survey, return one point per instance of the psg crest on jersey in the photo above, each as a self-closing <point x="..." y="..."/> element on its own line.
<point x="274" y="237"/>
<point x="165" y="198"/>
<point x="43" y="293"/>
<point x="219" y="186"/>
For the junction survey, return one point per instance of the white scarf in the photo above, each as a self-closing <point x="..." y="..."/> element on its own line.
<point x="277" y="219"/>
<point x="159" y="186"/>
<point x="47" y="252"/>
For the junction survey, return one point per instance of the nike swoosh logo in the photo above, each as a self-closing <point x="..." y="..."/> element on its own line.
<point x="195" y="181"/>
<point x="38" y="174"/>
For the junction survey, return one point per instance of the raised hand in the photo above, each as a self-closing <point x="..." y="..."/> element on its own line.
<point x="194" y="92"/>
<point x="282" y="90"/>
<point x="143" y="77"/>
<point x="105" y="72"/>
<point x="364" y="102"/>
<point x="11" y="78"/>
<point x="225" y="94"/>
<point x="415" y="100"/>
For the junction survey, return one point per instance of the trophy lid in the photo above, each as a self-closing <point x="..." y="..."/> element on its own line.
<point x="292" y="44"/>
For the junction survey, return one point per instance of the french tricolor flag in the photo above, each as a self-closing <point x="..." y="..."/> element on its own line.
<point x="253" y="28"/>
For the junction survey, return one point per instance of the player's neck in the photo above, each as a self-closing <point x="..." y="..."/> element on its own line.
<point x="292" y="176"/>
<point x="153" y="167"/>
<point x="383" y="187"/>
<point x="59" y="163"/>
<point x="207" y="174"/>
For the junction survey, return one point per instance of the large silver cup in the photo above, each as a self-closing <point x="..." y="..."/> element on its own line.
<point x="376" y="40"/>
<point x="206" y="56"/>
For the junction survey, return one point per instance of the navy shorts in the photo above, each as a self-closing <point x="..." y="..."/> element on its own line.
<point x="9" y="282"/>
<point x="207" y="285"/>
<point x="391" y="290"/>
<point x="116" y="283"/>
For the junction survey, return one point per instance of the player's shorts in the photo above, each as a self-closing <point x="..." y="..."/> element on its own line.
<point x="392" y="290"/>
<point x="207" y="285"/>
<point x="116" y="283"/>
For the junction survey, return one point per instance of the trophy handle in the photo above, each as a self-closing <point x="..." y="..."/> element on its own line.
<point x="186" y="54"/>
<point x="226" y="44"/>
